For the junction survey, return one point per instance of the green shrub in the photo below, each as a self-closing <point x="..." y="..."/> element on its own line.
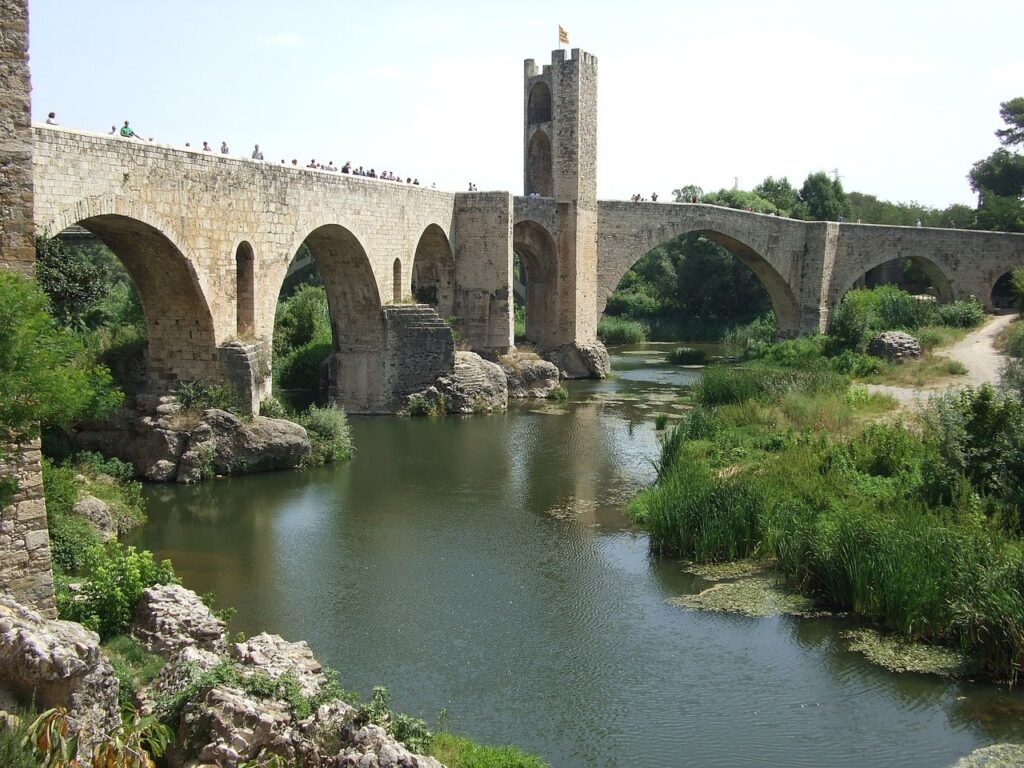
<point x="660" y="421"/>
<point x="1014" y="343"/>
<point x="687" y="356"/>
<point x="272" y="408"/>
<point x="962" y="314"/>
<point x="723" y="385"/>
<point x="617" y="330"/>
<point x="856" y="364"/>
<point x="459" y="752"/>
<point x="421" y="405"/>
<point x="115" y="577"/>
<point x="133" y="666"/>
<point x="330" y="434"/>
<point x="200" y="395"/>
<point x="558" y="393"/>
<point x="300" y="368"/>
<point x="750" y="339"/>
<point x="804" y="352"/>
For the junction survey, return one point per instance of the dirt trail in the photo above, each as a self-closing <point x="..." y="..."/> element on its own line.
<point x="976" y="351"/>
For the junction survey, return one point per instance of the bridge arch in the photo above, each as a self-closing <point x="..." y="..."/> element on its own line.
<point x="181" y="333"/>
<point x="358" y="332"/>
<point x="932" y="271"/>
<point x="433" y="271"/>
<point x="783" y="299"/>
<point x="538" y="258"/>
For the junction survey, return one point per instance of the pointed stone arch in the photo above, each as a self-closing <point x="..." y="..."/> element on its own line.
<point x="538" y="257"/>
<point x="935" y="274"/>
<point x="538" y="108"/>
<point x="433" y="271"/>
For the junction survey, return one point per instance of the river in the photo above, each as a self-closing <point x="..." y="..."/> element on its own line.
<point x="484" y="566"/>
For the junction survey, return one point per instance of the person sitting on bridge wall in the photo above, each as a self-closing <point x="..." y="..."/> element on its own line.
<point x="128" y="133"/>
<point x="257" y="155"/>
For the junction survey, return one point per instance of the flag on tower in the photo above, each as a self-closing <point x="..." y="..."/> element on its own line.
<point x="563" y="36"/>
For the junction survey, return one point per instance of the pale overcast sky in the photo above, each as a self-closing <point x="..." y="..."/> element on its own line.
<point x="900" y="97"/>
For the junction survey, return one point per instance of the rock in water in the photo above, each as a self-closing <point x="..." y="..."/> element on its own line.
<point x="528" y="375"/>
<point x="476" y="385"/>
<point x="581" y="361"/>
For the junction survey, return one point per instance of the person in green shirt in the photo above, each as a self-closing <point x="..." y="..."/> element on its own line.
<point x="127" y="132"/>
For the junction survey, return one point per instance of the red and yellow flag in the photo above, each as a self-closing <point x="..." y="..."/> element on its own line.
<point x="563" y="36"/>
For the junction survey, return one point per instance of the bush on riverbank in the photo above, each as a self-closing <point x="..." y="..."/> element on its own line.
<point x="617" y="330"/>
<point x="330" y="434"/>
<point x="918" y="529"/>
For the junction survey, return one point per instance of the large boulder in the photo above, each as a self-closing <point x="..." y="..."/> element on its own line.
<point x="96" y="512"/>
<point x="475" y="386"/>
<point x="169" y="618"/>
<point x="225" y="445"/>
<point x="57" y="663"/>
<point x="528" y="375"/>
<point x="894" y="346"/>
<point x="372" y="747"/>
<point x="581" y="361"/>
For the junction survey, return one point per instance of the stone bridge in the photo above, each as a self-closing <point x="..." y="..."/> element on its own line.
<point x="208" y="239"/>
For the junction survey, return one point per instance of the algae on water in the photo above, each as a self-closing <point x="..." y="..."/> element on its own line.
<point x="900" y="655"/>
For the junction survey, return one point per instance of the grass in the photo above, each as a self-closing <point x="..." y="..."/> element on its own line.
<point x="617" y="330"/>
<point x="907" y="526"/>
<point x="687" y="356"/>
<point x="133" y="666"/>
<point x="459" y="752"/>
<point x="929" y="369"/>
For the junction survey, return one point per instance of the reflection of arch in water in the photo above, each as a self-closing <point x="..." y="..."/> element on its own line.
<point x="179" y="324"/>
<point x="538" y="261"/>
<point x="433" y="271"/>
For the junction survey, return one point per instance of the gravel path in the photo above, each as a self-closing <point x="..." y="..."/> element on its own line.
<point x="976" y="351"/>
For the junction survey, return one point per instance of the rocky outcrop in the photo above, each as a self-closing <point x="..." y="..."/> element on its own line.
<point x="373" y="748"/>
<point x="475" y="386"/>
<point x="894" y="346"/>
<point x="581" y="361"/>
<point x="170" y="618"/>
<point x="224" y="444"/>
<point x="165" y="444"/>
<point x="275" y="657"/>
<point x="57" y="663"/>
<point x="97" y="514"/>
<point x="528" y="375"/>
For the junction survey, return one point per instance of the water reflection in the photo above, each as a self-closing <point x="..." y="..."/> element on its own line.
<point x="484" y="565"/>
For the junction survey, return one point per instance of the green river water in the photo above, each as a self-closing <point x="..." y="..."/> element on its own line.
<point x="484" y="566"/>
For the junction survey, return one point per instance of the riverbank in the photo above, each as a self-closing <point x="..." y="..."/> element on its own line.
<point x="913" y="525"/>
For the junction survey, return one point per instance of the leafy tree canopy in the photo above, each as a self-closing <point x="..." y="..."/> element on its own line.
<point x="823" y="199"/>
<point x="46" y="373"/>
<point x="1012" y="112"/>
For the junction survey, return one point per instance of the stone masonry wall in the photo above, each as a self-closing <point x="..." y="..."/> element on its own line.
<point x="25" y="569"/>
<point x="17" y="247"/>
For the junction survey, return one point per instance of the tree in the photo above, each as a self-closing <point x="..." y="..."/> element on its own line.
<point x="781" y="193"/>
<point x="999" y="178"/>
<point x="46" y="373"/>
<point x="1012" y="112"/>
<point x="687" y="193"/>
<point x="72" y="280"/>
<point x="823" y="199"/>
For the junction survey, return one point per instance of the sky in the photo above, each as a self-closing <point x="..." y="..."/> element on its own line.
<point x="899" y="97"/>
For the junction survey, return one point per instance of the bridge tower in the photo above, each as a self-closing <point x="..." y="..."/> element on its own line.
<point x="560" y="163"/>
